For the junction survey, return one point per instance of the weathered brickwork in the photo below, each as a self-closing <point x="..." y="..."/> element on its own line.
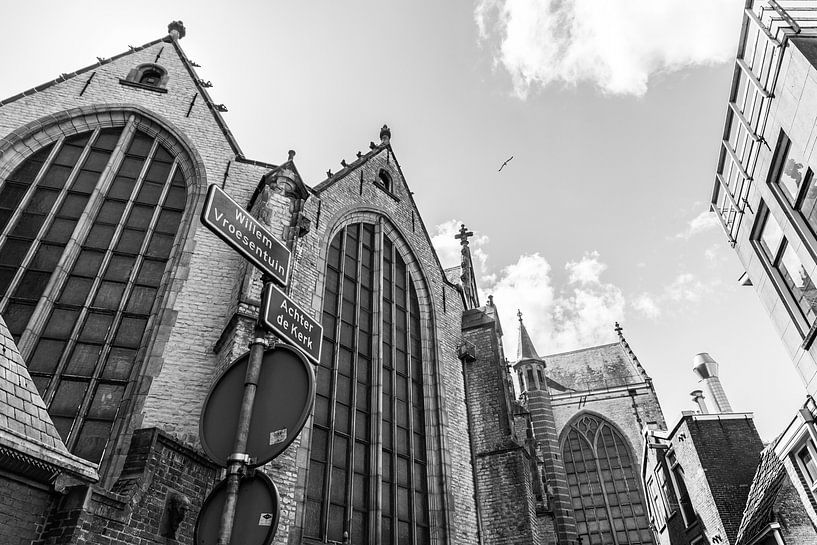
<point x="503" y="465"/>
<point x="23" y="507"/>
<point x="134" y="510"/>
<point x="719" y="457"/>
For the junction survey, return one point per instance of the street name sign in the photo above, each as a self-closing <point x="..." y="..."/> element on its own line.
<point x="235" y="226"/>
<point x="292" y="323"/>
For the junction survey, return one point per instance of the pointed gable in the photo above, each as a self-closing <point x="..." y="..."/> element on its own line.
<point x="524" y="347"/>
<point x="28" y="437"/>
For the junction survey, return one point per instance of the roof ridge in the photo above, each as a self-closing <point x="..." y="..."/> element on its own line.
<point x="69" y="75"/>
<point x="588" y="348"/>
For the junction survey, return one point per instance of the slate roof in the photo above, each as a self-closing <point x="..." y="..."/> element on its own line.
<point x="604" y="366"/>
<point x="524" y="346"/>
<point x="27" y="434"/>
<point x="768" y="480"/>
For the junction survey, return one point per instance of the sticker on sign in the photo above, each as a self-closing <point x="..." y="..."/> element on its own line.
<point x="291" y="322"/>
<point x="277" y="436"/>
<point x="235" y="226"/>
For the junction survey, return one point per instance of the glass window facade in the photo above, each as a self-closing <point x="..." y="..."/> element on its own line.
<point x="86" y="230"/>
<point x="793" y="275"/>
<point x="604" y="485"/>
<point x="372" y="357"/>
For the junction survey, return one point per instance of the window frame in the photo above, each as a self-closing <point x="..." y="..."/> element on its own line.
<point x="386" y="240"/>
<point x="676" y="473"/>
<point x="806" y="445"/>
<point x="127" y="122"/>
<point x="771" y="264"/>
<point x="592" y="437"/>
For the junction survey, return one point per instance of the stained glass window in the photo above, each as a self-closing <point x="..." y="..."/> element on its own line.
<point x="86" y="229"/>
<point x="343" y="481"/>
<point x="604" y="485"/>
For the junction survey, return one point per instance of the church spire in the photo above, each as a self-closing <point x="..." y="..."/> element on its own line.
<point x="524" y="348"/>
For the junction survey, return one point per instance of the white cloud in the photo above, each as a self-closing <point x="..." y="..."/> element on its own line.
<point x="580" y="314"/>
<point x="587" y="270"/>
<point x="617" y="45"/>
<point x="686" y="287"/>
<point x="703" y="222"/>
<point x="646" y="305"/>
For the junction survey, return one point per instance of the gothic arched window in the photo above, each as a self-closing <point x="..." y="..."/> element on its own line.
<point x="604" y="484"/>
<point x="368" y="436"/>
<point x="87" y="225"/>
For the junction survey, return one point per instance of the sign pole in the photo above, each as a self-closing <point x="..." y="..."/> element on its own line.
<point x="239" y="459"/>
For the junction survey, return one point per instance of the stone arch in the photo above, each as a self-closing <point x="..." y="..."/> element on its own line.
<point x="603" y="477"/>
<point x="431" y="376"/>
<point x="18" y="145"/>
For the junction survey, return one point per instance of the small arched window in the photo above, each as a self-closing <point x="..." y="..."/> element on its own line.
<point x="150" y="76"/>
<point x="385" y="180"/>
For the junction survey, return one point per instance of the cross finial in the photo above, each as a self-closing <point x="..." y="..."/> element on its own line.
<point x="519" y="315"/>
<point x="618" y="329"/>
<point x="464" y="234"/>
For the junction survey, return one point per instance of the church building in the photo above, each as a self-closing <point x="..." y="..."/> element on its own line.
<point x="120" y="310"/>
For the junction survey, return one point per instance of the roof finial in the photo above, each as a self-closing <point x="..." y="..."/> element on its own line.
<point x="291" y="155"/>
<point x="385" y="135"/>
<point x="519" y="315"/>
<point x="619" y="331"/>
<point x="464" y="234"/>
<point x="490" y="300"/>
<point x="176" y="30"/>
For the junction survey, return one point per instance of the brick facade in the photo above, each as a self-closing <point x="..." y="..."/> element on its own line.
<point x="503" y="464"/>
<point x="23" y="509"/>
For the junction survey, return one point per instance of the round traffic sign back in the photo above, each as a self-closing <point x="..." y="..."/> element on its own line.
<point x="283" y="402"/>
<point x="256" y="513"/>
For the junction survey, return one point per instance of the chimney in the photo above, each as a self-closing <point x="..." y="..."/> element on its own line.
<point x="706" y="369"/>
<point x="698" y="397"/>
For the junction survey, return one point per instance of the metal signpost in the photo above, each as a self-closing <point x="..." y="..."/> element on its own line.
<point x="285" y="380"/>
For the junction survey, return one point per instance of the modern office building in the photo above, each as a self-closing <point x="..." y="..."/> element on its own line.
<point x="765" y="195"/>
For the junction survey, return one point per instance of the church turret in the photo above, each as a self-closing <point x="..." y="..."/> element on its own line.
<point x="531" y="373"/>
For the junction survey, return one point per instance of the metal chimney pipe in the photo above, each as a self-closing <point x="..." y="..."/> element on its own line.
<point x="706" y="369"/>
<point x="698" y="397"/>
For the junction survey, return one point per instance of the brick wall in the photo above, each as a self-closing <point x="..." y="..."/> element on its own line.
<point x="795" y="524"/>
<point x="544" y="428"/>
<point x="503" y="466"/>
<point x="133" y="511"/>
<point x="719" y="458"/>
<point x="23" y="507"/>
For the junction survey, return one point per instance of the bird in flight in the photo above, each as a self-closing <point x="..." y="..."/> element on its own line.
<point x="505" y="163"/>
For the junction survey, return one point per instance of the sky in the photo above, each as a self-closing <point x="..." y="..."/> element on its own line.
<point x="612" y="111"/>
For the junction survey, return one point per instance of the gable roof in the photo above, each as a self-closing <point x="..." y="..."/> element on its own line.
<point x="593" y="368"/>
<point x="214" y="109"/>
<point x="768" y="480"/>
<point x="374" y="150"/>
<point x="29" y="442"/>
